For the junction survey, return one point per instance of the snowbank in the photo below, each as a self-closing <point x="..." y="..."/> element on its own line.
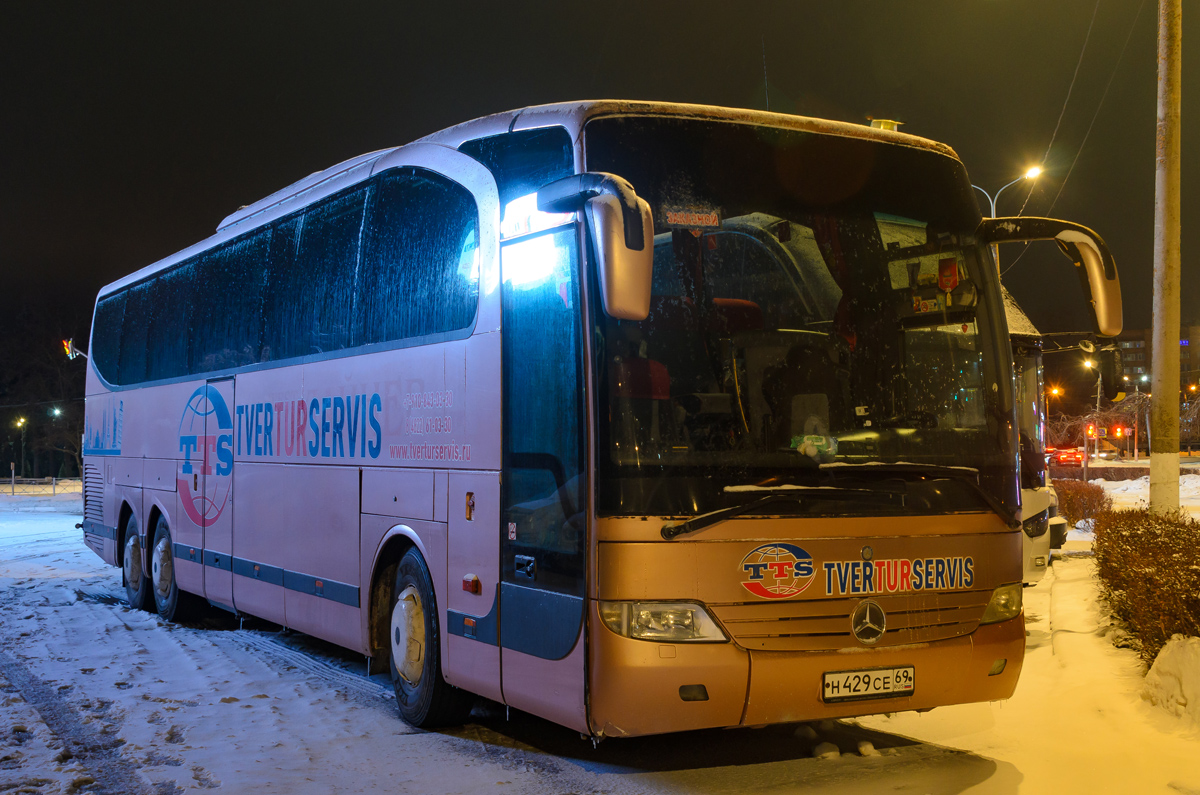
<point x="1174" y="680"/>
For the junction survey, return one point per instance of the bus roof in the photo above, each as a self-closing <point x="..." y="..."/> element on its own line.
<point x="1019" y="324"/>
<point x="571" y="115"/>
<point x="574" y="115"/>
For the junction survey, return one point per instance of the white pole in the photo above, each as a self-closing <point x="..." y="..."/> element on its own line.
<point x="1164" y="410"/>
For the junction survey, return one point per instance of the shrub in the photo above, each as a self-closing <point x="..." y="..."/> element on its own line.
<point x="1079" y="500"/>
<point x="1149" y="567"/>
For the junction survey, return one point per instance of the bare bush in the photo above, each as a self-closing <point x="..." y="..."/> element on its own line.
<point x="1079" y="500"/>
<point x="1149" y="568"/>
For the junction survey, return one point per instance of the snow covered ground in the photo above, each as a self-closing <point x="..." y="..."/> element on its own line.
<point x="1136" y="493"/>
<point x="95" y="697"/>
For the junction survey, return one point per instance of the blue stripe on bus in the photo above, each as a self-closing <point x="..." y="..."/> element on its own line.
<point x="486" y="627"/>
<point x="549" y="622"/>
<point x="97" y="529"/>
<point x="335" y="591"/>
<point x="319" y="586"/>
<point x="186" y="553"/>
<point x="258" y="571"/>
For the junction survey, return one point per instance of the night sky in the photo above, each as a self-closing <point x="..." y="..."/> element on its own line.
<point x="131" y="129"/>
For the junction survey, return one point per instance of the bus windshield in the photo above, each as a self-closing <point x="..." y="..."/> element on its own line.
<point x="818" y="302"/>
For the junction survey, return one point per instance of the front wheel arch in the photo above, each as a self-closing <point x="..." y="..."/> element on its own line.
<point x="122" y="520"/>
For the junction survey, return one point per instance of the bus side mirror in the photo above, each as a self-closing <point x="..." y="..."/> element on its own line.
<point x="622" y="232"/>
<point x="1095" y="266"/>
<point x="1112" y="370"/>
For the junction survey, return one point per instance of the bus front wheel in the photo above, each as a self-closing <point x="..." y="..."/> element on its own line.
<point x="424" y="698"/>
<point x="137" y="584"/>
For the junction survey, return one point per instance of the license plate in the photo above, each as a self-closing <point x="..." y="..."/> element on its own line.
<point x="872" y="683"/>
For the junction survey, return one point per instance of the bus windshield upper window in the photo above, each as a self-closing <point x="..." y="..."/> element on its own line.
<point x="816" y="300"/>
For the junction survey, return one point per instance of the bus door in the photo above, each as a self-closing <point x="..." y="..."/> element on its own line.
<point x="212" y="471"/>
<point x="543" y="527"/>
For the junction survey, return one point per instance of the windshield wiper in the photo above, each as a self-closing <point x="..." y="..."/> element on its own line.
<point x="670" y="531"/>
<point x="968" y="475"/>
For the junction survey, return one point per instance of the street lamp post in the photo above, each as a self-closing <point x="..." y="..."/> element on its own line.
<point x="21" y="425"/>
<point x="1032" y="173"/>
<point x="1089" y="364"/>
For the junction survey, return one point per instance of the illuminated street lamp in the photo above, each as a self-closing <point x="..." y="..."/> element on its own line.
<point x="1032" y="173"/>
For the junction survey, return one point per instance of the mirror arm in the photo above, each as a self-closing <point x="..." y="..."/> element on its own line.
<point x="570" y="193"/>
<point x="1093" y="261"/>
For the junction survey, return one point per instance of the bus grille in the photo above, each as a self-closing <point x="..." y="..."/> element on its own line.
<point x="93" y="493"/>
<point x="824" y="624"/>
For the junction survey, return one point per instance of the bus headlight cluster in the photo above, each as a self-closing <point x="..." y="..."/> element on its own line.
<point x="1005" y="604"/>
<point x="664" y="622"/>
<point x="1036" y="526"/>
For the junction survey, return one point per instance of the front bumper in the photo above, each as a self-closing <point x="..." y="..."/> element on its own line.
<point x="635" y="686"/>
<point x="1058" y="532"/>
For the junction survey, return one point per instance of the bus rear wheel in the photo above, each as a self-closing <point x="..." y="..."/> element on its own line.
<point x="172" y="604"/>
<point x="424" y="698"/>
<point x="137" y="583"/>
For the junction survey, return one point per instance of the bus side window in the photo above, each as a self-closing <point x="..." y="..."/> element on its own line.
<point x="106" y="336"/>
<point x="132" y="363"/>
<point x="420" y="272"/>
<point x="227" y="322"/>
<point x="310" y="296"/>
<point x="525" y="160"/>
<point x="174" y="297"/>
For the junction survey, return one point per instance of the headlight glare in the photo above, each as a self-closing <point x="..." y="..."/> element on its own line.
<point x="1005" y="604"/>
<point x="664" y="622"/>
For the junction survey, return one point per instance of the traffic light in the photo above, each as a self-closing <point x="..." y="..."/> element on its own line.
<point x="1091" y="430"/>
<point x="70" y="350"/>
<point x="1118" y="431"/>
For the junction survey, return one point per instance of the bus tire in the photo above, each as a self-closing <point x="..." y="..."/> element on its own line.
<point x="172" y="604"/>
<point x="424" y="698"/>
<point x="137" y="582"/>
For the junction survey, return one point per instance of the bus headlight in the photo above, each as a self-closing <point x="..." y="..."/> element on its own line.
<point x="1036" y="526"/>
<point x="664" y="622"/>
<point x="1005" y="604"/>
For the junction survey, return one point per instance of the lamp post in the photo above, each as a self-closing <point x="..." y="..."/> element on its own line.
<point x="1032" y="173"/>
<point x="1089" y="364"/>
<point x="1137" y="382"/>
<point x="21" y="425"/>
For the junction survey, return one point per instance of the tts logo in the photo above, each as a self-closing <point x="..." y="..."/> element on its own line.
<point x="777" y="571"/>
<point x="206" y="442"/>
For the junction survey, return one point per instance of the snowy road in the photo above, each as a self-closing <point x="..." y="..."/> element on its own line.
<point x="97" y="697"/>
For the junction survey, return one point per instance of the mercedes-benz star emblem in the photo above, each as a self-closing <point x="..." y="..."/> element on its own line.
<point x="868" y="622"/>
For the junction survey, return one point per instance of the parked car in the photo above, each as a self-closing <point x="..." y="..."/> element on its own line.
<point x="1067" y="458"/>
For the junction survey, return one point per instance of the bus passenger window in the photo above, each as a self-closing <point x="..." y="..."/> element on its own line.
<point x="419" y="273"/>
<point x="174" y="296"/>
<point x="321" y="276"/>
